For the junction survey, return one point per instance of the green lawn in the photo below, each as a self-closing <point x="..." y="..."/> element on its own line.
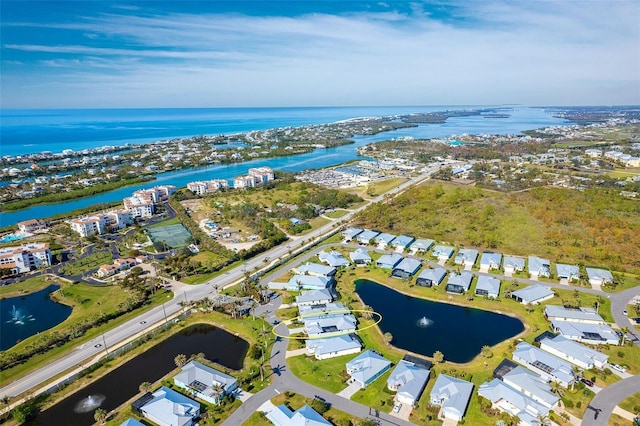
<point x="92" y="261"/>
<point x="167" y="222"/>
<point x="336" y="213"/>
<point x="632" y="403"/>
<point x="30" y="285"/>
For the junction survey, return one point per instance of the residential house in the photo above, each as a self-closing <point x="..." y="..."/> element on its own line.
<point x="512" y="401"/>
<point x="466" y="257"/>
<point x="452" y="395"/>
<point x="488" y="286"/>
<point x="26" y="257"/>
<point x="131" y="422"/>
<point x="539" y="267"/>
<point x="402" y="242"/>
<point x="333" y="258"/>
<point x="330" y="347"/>
<point x="577" y="354"/>
<point x="309" y="282"/>
<point x="170" y="408"/>
<point x="546" y="365"/>
<point x="389" y="261"/>
<point x="581" y="314"/>
<point x="459" y="283"/>
<point x="490" y="260"/>
<point x="367" y="367"/>
<point x="406" y="268"/>
<point x="599" y="276"/>
<point x="513" y="264"/>
<point x="350" y="233"/>
<point x="329" y="325"/>
<point x="366" y="236"/>
<point x="360" y="257"/>
<point x="205" y="382"/>
<point x="567" y="272"/>
<point x="442" y="252"/>
<point x="314" y="297"/>
<point x="408" y="381"/>
<point x="304" y="416"/>
<point x="315" y="269"/>
<point x="593" y="334"/>
<point x="323" y="310"/>
<point x="429" y="277"/>
<point x="421" y="246"/>
<point x="383" y="239"/>
<point x="534" y="294"/>
<point x="532" y="385"/>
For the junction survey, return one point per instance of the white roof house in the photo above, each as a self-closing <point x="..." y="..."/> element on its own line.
<point x="316" y="269"/>
<point x="309" y="282"/>
<point x="505" y="398"/>
<point x="323" y="310"/>
<point x="599" y="276"/>
<point x="330" y="325"/>
<point x="314" y="297"/>
<point x="513" y="264"/>
<point x="360" y="257"/>
<point x="533" y="294"/>
<point x="408" y="380"/>
<point x="131" y="422"/>
<point x="401" y="242"/>
<point x="490" y="260"/>
<point x="567" y="272"/>
<point x="334" y="259"/>
<point x="593" y="334"/>
<point x="170" y="408"/>
<point x="429" y="277"/>
<point x="384" y="239"/>
<point x="488" y="286"/>
<point x="539" y="267"/>
<point x="453" y="395"/>
<point x="459" y="283"/>
<point x="581" y="314"/>
<point x="466" y="257"/>
<point x="575" y="353"/>
<point x="442" y="252"/>
<point x="367" y="236"/>
<point x="351" y="233"/>
<point x="406" y="268"/>
<point x="421" y="245"/>
<point x="546" y="365"/>
<point x="532" y="385"/>
<point x="388" y="261"/>
<point x="331" y="347"/>
<point x="305" y="416"/>
<point x="205" y="382"/>
<point x="367" y="367"/>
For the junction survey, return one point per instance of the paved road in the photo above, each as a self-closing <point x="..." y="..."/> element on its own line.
<point x="606" y="400"/>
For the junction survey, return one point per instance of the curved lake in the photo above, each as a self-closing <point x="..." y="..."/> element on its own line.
<point x="123" y="383"/>
<point x="458" y="332"/>
<point x="24" y="316"/>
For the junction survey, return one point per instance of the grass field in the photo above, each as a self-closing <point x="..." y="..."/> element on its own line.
<point x="89" y="262"/>
<point x="336" y="214"/>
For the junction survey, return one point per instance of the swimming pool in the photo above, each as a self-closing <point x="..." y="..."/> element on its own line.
<point x="11" y="237"/>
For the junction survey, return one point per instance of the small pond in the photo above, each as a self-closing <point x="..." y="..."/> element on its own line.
<point x="423" y="326"/>
<point x="24" y="316"/>
<point x="123" y="383"/>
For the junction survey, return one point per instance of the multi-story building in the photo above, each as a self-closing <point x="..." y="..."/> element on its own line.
<point x="244" y="182"/>
<point x="262" y="174"/>
<point x="89" y="225"/>
<point x="26" y="257"/>
<point x="207" y="186"/>
<point x="32" y="226"/>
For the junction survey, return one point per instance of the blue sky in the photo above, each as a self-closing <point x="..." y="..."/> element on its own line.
<point x="77" y="54"/>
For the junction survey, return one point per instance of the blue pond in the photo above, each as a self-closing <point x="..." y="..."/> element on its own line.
<point x="24" y="316"/>
<point x="423" y="326"/>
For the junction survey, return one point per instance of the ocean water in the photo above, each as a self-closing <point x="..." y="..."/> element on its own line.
<point x="126" y="126"/>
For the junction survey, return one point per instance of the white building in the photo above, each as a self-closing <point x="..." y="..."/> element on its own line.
<point x="32" y="226"/>
<point x="575" y="353"/>
<point x="207" y="187"/>
<point x="244" y="182"/>
<point x="26" y="257"/>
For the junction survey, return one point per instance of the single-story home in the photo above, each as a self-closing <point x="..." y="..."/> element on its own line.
<point x="466" y="257"/>
<point x="532" y="385"/>
<point x="314" y="297"/>
<point x="599" y="276"/>
<point x="593" y="334"/>
<point x="316" y="269"/>
<point x="350" y="233"/>
<point x="513" y="264"/>
<point x="167" y="407"/>
<point x="333" y="258"/>
<point x="283" y="416"/>
<point x="330" y="325"/>
<point x="539" y="267"/>
<point x="459" y="283"/>
<point x="389" y="261"/>
<point x="406" y="268"/>
<point x="488" y="286"/>
<point x="567" y="272"/>
<point x="309" y="282"/>
<point x="429" y="277"/>
<point x="205" y="382"/>
<point x="366" y="236"/>
<point x="442" y="252"/>
<point x="408" y="380"/>
<point x="546" y="365"/>
<point x="360" y="257"/>
<point x="575" y="353"/>
<point x="323" y="310"/>
<point x="384" y="239"/>
<point x="401" y="242"/>
<point x="421" y="245"/>
<point x="513" y="401"/>
<point x="367" y="367"/>
<point x="453" y="395"/>
<point x="533" y="294"/>
<point x="490" y="260"/>
<point x="131" y="422"/>
<point x="330" y="347"/>
<point x="581" y="314"/>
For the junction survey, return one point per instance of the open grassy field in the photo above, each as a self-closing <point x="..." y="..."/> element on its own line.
<point x="632" y="403"/>
<point x="94" y="260"/>
<point x="336" y="214"/>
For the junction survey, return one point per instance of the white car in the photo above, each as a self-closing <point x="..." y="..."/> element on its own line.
<point x="397" y="407"/>
<point x="620" y="368"/>
<point x="624" y="313"/>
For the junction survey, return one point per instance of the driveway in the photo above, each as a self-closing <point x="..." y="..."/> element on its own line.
<point x="349" y="390"/>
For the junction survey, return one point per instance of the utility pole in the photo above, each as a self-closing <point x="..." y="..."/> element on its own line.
<point x="105" y="344"/>
<point x="165" y="314"/>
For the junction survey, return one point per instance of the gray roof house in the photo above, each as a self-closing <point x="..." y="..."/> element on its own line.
<point x="593" y="334"/>
<point x="384" y="239"/>
<point x="309" y="282"/>
<point x="330" y="347"/>
<point x="490" y="260"/>
<point x="429" y="277"/>
<point x="330" y="325"/>
<point x="575" y="353"/>
<point x="367" y="367"/>
<point x="581" y="314"/>
<point x="170" y="408"/>
<point x="333" y="258"/>
<point x="401" y="242"/>
<point x="406" y="268"/>
<point x="442" y="252"/>
<point x="453" y="395"/>
<point x="408" y="380"/>
<point x="205" y="382"/>
<point x="316" y="269"/>
<point x="360" y="257"/>
<point x="567" y="272"/>
<point x="466" y="257"/>
<point x="314" y="297"/>
<point x="304" y="416"/>
<point x="488" y="286"/>
<point x="532" y="385"/>
<point x="599" y="276"/>
<point x="507" y="399"/>
<point x="546" y="365"/>
<point x="367" y="236"/>
<point x="459" y="283"/>
<point x="351" y="233"/>
<point x="323" y="310"/>
<point x="539" y="267"/>
<point x="389" y="261"/>
<point x="421" y="245"/>
<point x="513" y="264"/>
<point x="533" y="294"/>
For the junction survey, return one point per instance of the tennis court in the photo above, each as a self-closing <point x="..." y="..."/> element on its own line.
<point x="173" y="235"/>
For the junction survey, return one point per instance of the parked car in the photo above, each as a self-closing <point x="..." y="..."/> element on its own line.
<point x="620" y="368"/>
<point x="624" y="312"/>
<point x="397" y="407"/>
<point x="586" y="381"/>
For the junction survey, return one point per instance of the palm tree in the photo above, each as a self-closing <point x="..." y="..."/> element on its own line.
<point x="438" y="357"/>
<point x="100" y="416"/>
<point x="180" y="360"/>
<point x="388" y="337"/>
<point x="367" y="312"/>
<point x="145" y="387"/>
<point x="486" y="351"/>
